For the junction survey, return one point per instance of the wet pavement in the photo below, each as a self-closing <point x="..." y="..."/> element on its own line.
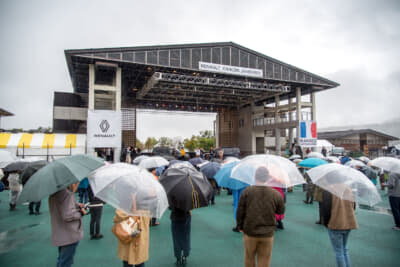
<point x="25" y="239"/>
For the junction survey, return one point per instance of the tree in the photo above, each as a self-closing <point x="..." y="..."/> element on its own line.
<point x="191" y="143"/>
<point x="150" y="143"/>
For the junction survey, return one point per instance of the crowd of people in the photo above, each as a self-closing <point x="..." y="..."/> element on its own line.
<point x="258" y="210"/>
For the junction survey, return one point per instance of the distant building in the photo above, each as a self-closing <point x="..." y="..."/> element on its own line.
<point x="368" y="141"/>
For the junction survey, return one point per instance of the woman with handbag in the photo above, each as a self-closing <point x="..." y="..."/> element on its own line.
<point x="134" y="250"/>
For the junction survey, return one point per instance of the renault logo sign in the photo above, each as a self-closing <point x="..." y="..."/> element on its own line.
<point x="104" y="126"/>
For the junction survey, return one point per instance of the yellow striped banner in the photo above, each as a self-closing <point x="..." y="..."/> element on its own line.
<point x="70" y="139"/>
<point x="4" y="138"/>
<point x="48" y="140"/>
<point x="25" y="140"/>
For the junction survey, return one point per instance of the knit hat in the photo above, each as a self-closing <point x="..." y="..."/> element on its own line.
<point x="262" y="174"/>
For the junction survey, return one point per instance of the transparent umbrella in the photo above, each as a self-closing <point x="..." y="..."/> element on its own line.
<point x="354" y="163"/>
<point x="345" y="182"/>
<point x="129" y="188"/>
<point x="153" y="162"/>
<point x="295" y="156"/>
<point x="332" y="159"/>
<point x="387" y="163"/>
<point x="138" y="159"/>
<point x="281" y="171"/>
<point x="315" y="155"/>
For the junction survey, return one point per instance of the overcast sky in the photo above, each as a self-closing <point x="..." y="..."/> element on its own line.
<point x="354" y="43"/>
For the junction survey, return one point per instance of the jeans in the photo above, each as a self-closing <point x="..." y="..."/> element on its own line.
<point x="395" y="206"/>
<point x="66" y="255"/>
<point x="181" y="236"/>
<point x="126" y="264"/>
<point x="339" y="243"/>
<point x="95" y="218"/>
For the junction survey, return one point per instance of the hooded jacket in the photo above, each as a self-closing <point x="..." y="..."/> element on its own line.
<point x="137" y="251"/>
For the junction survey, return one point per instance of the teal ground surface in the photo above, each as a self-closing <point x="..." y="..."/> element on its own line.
<point x="25" y="239"/>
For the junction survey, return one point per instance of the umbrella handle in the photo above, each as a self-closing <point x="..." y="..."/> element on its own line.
<point x="195" y="195"/>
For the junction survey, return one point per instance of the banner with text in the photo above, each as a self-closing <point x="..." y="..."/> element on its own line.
<point x="230" y="69"/>
<point x="104" y="128"/>
<point x="308" y="133"/>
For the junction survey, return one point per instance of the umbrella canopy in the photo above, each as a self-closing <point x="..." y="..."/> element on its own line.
<point x="332" y="159"/>
<point x="6" y="157"/>
<point x="196" y="161"/>
<point x="368" y="171"/>
<point x="295" y="156"/>
<point x="345" y="182"/>
<point x="354" y="163"/>
<point x="129" y="188"/>
<point x="153" y="162"/>
<point x="172" y="162"/>
<point x="224" y="179"/>
<point x="210" y="169"/>
<point x="387" y="163"/>
<point x="30" y="169"/>
<point x="281" y="171"/>
<point x="312" y="162"/>
<point x="57" y="175"/>
<point x="186" y="187"/>
<point x="230" y="159"/>
<point x="138" y="159"/>
<point x="364" y="159"/>
<point x="16" y="166"/>
<point x="314" y="155"/>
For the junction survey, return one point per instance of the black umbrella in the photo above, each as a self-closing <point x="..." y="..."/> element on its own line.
<point x="186" y="188"/>
<point x="16" y="166"/>
<point x="30" y="169"/>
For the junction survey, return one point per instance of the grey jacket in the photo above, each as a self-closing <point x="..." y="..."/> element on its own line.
<point x="66" y="219"/>
<point x="394" y="185"/>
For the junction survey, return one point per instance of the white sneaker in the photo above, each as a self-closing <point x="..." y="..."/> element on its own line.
<point x="396" y="228"/>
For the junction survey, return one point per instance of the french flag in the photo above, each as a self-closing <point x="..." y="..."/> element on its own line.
<point x="308" y="129"/>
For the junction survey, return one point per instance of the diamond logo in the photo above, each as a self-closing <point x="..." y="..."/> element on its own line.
<point x="104" y="126"/>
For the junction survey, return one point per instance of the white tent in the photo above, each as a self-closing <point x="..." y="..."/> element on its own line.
<point x="43" y="145"/>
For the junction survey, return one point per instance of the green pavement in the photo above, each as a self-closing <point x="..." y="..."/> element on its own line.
<point x="25" y="239"/>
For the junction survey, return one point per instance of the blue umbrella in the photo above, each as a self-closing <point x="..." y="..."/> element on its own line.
<point x="224" y="179"/>
<point x="196" y="161"/>
<point x="160" y="170"/>
<point x="312" y="162"/>
<point x="210" y="169"/>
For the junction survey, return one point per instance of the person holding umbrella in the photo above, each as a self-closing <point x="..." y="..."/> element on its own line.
<point x="255" y="216"/>
<point x="393" y="186"/>
<point x="15" y="189"/>
<point x="66" y="223"/>
<point x="338" y="216"/>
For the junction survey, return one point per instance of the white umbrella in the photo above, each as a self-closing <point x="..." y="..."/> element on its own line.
<point x="129" y="188"/>
<point x="387" y="163"/>
<point x="281" y="171"/>
<point x="345" y="182"/>
<point x="315" y="155"/>
<point x="153" y="162"/>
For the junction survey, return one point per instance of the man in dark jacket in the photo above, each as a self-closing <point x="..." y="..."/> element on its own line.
<point x="96" y="209"/>
<point x="255" y="216"/>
